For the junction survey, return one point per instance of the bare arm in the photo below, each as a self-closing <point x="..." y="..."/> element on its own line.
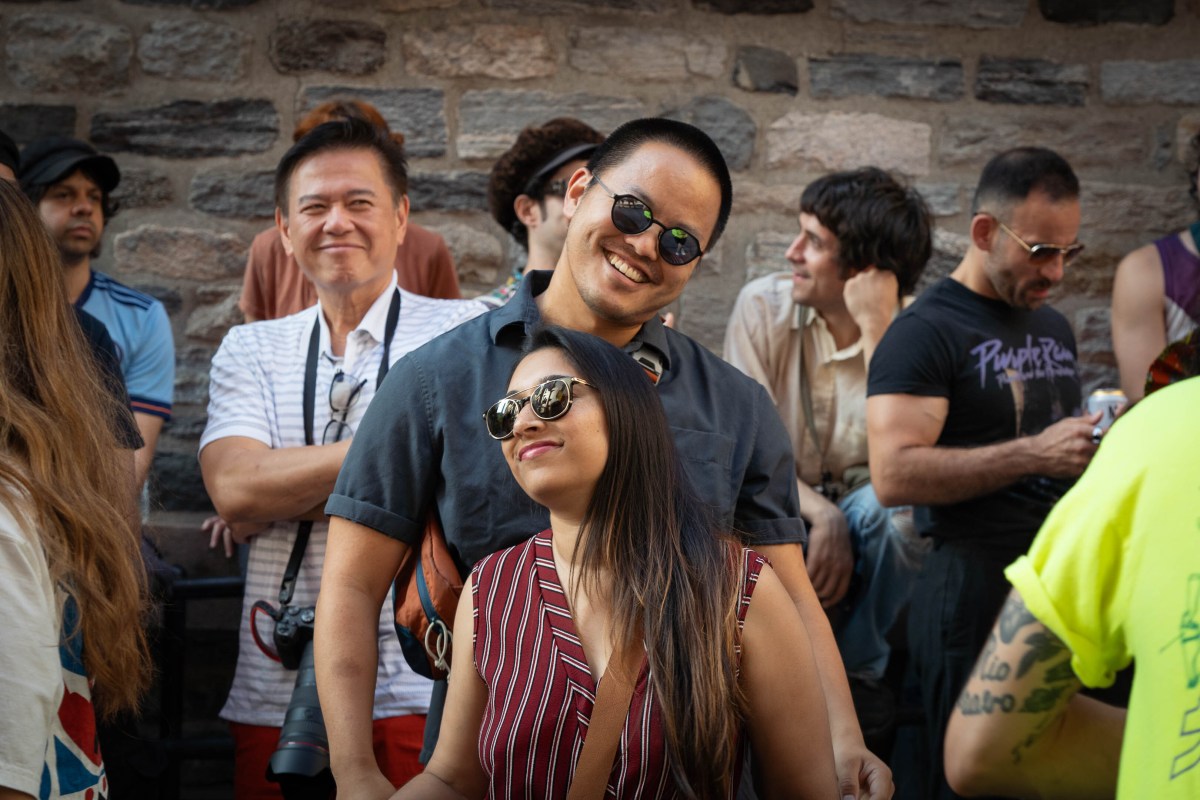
<point x="858" y="769"/>
<point x="907" y="468"/>
<point x="251" y="482"/>
<point x="360" y="564"/>
<point x="830" y="557"/>
<point x="13" y="794"/>
<point x="872" y="297"/>
<point x="149" y="426"/>
<point x="777" y="662"/>
<point x="1020" y="729"/>
<point x="1138" y="325"/>
<point x="454" y="771"/>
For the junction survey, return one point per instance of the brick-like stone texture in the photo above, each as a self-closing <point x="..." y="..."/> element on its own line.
<point x="752" y="197"/>
<point x="490" y="119"/>
<point x="344" y="47"/>
<point x="177" y="484"/>
<point x="838" y="140"/>
<point x="646" y="55"/>
<point x="478" y="254"/>
<point x="456" y="190"/>
<point x="1152" y="210"/>
<point x="201" y="5"/>
<point x="1187" y="127"/>
<point x="180" y="253"/>
<point x="888" y="76"/>
<point x="417" y="113"/>
<point x="973" y="14"/>
<point x="143" y="188"/>
<point x="404" y="6"/>
<point x="575" y="6"/>
<point x="508" y="52"/>
<point x="1143" y="82"/>
<point x="211" y="321"/>
<point x="192" y="363"/>
<point x="59" y="53"/>
<point x="761" y="69"/>
<point x="237" y="194"/>
<point x="1083" y="142"/>
<point x="194" y="49"/>
<point x="26" y="122"/>
<point x="755" y="6"/>
<point x="1031" y="81"/>
<point x="1098" y="12"/>
<point x="730" y="126"/>
<point x="948" y="249"/>
<point x="943" y="199"/>
<point x="767" y="253"/>
<point x="189" y="128"/>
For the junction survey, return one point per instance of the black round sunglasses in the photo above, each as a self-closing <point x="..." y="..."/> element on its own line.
<point x="630" y="215"/>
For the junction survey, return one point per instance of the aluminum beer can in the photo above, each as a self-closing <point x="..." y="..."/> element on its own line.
<point x="1107" y="401"/>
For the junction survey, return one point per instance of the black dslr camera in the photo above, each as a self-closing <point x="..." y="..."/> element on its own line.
<point x="300" y="764"/>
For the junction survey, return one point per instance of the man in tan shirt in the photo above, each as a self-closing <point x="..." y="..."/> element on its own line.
<point x="808" y="335"/>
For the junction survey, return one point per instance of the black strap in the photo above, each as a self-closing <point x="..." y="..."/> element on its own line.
<point x="806" y="403"/>
<point x="304" y="529"/>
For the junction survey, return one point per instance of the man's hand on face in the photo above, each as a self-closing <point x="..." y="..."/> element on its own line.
<point x="830" y="557"/>
<point x="872" y="297"/>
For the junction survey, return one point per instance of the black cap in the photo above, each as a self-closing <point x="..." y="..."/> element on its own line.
<point x="8" y="152"/>
<point x="565" y="156"/>
<point x="51" y="159"/>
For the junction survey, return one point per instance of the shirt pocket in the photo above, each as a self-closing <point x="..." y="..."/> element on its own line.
<point x="708" y="461"/>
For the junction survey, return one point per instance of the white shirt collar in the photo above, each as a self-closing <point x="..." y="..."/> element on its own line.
<point x="373" y="325"/>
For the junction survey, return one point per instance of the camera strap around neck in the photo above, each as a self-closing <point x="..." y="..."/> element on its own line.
<point x="304" y="529"/>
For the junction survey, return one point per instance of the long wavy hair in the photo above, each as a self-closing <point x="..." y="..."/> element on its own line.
<point x="678" y="574"/>
<point x="59" y="458"/>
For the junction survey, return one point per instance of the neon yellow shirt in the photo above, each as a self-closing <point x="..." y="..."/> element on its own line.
<point x="1115" y="573"/>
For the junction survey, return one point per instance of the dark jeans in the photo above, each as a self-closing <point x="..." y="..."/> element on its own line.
<point x="954" y="605"/>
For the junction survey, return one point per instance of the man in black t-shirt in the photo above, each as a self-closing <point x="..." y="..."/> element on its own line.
<point x="971" y="417"/>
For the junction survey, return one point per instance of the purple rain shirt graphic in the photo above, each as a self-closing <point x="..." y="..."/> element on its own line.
<point x="1027" y="370"/>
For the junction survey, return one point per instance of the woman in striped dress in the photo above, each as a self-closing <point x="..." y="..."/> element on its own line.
<point x="630" y="560"/>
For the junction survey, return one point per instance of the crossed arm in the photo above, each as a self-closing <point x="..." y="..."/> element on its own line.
<point x="1021" y="729"/>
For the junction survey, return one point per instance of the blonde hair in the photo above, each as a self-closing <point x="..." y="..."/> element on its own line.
<point x="59" y="457"/>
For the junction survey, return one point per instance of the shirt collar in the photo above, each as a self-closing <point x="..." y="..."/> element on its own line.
<point x="826" y="347"/>
<point x="520" y="314"/>
<point x="374" y="322"/>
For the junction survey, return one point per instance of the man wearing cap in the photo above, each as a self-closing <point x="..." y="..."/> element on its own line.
<point x="71" y="184"/>
<point x="525" y="192"/>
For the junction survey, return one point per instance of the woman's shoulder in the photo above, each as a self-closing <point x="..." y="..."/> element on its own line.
<point x="512" y="560"/>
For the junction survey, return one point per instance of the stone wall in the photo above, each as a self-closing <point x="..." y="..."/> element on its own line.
<point x="197" y="98"/>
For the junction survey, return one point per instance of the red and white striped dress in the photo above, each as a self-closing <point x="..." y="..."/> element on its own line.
<point x="540" y="690"/>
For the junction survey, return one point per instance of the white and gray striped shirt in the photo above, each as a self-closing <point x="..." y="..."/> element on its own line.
<point x="256" y="391"/>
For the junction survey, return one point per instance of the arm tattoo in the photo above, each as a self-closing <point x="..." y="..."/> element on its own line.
<point x="1042" y="647"/>
<point x="1013" y="617"/>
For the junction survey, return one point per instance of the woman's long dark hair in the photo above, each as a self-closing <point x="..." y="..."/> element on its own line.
<point x="676" y="575"/>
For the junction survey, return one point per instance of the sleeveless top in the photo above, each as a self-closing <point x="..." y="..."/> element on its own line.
<point x="541" y="692"/>
<point x="1181" y="284"/>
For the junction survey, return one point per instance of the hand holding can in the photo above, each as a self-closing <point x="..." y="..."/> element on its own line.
<point x="1109" y="402"/>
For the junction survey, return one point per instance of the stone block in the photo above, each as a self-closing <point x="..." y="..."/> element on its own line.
<point x="975" y="14"/>
<point x="889" y="76"/>
<point x="508" y="52"/>
<point x="1084" y="142"/>
<point x="195" y="50"/>
<point x="490" y="119"/>
<point x="27" y="122"/>
<point x="752" y="197"/>
<point x="540" y="7"/>
<point x="180" y="254"/>
<point x="189" y="128"/>
<point x="177" y="484"/>
<point x="761" y="69"/>
<point x="455" y="190"/>
<point x="646" y="56"/>
<point x="341" y="46"/>
<point x="1099" y="12"/>
<point x="1144" y="82"/>
<point x="1186" y="130"/>
<point x="404" y="6"/>
<point x="1151" y="210"/>
<point x="169" y="296"/>
<point x="417" y="113"/>
<point x="948" y="251"/>
<point x="767" y="253"/>
<point x="210" y="323"/>
<point x="943" y="199"/>
<point x="1031" y="81"/>
<point x="729" y="125"/>
<point x="238" y="194"/>
<point x="840" y="140"/>
<point x="200" y="5"/>
<point x="60" y="53"/>
<point x="478" y="255"/>
<point x="754" y="6"/>
<point x="192" y="365"/>
<point x="143" y="188"/>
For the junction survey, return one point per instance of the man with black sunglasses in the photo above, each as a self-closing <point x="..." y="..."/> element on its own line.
<point x="285" y="400"/>
<point x="972" y="416"/>
<point x="654" y="197"/>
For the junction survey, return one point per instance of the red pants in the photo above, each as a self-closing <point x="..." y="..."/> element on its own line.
<point x="397" y="743"/>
